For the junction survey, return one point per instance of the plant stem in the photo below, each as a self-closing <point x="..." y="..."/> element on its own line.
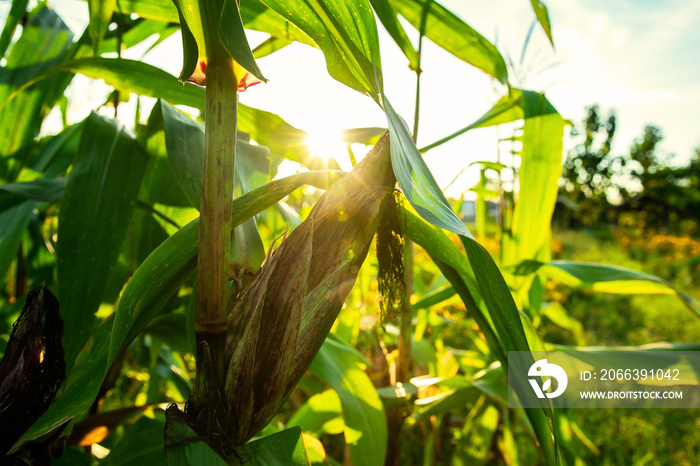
<point x="217" y="190"/>
<point x="396" y="416"/>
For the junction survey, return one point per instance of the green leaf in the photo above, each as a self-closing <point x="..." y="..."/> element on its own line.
<point x="389" y="18"/>
<point x="346" y="33"/>
<point x="138" y="33"/>
<point x="284" y="448"/>
<point x="13" y="222"/>
<point x="184" y="139"/>
<point x="454" y="35"/>
<point x="190" y="48"/>
<point x="151" y="286"/>
<point x="321" y="414"/>
<point x="100" y="17"/>
<point x="258" y="17"/>
<point x="543" y="17"/>
<point x="416" y="181"/>
<point x="17" y="10"/>
<point x="433" y="298"/>
<point x="476" y="279"/>
<point x="233" y="38"/>
<point x="515" y="105"/>
<point x="604" y="278"/>
<point x="538" y="177"/>
<point x="43" y="44"/>
<point x="266" y="128"/>
<point x="99" y="196"/>
<point x="159" y="10"/>
<point x="477" y="435"/>
<point x="365" y="423"/>
<point x="42" y="190"/>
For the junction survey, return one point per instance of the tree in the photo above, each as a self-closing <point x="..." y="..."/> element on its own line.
<point x="587" y="172"/>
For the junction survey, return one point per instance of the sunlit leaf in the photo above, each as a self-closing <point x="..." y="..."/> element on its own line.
<point x="543" y="17"/>
<point x="389" y="18"/>
<point x="604" y="278"/>
<point x="44" y="42"/>
<point x="234" y="40"/>
<point x="352" y="53"/>
<point x="100" y="17"/>
<point x="538" y="177"/>
<point x="14" y="15"/>
<point x="365" y="422"/>
<point x="454" y="35"/>
<point x="160" y="10"/>
<point x="416" y="181"/>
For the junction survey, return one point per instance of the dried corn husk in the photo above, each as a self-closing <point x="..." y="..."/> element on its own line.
<point x="283" y="315"/>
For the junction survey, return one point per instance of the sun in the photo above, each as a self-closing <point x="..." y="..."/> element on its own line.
<point x="326" y="144"/>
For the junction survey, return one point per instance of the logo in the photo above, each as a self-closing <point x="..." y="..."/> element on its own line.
<point x="542" y="369"/>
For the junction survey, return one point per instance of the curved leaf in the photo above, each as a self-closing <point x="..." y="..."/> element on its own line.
<point x="346" y="33"/>
<point x="542" y="14"/>
<point x="499" y="319"/>
<point x="100" y="17"/>
<point x="604" y="278"/>
<point x="16" y="12"/>
<point x="389" y="18"/>
<point x="233" y="38"/>
<point x="454" y="35"/>
<point x="416" y="181"/>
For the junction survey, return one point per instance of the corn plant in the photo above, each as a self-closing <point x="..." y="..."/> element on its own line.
<point x="152" y="242"/>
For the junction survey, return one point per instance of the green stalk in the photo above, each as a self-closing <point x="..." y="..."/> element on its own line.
<point x="217" y="191"/>
<point x="396" y="416"/>
<point x="406" y="332"/>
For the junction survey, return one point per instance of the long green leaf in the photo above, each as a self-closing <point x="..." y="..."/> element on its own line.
<point x="346" y="33"/>
<point x="43" y="44"/>
<point x="159" y="10"/>
<point x="543" y="17"/>
<point x="100" y="17"/>
<point x="283" y="448"/>
<point x="258" y="17"/>
<point x="474" y="277"/>
<point x="43" y="190"/>
<point x="100" y="194"/>
<point x="141" y="78"/>
<point x="454" y="35"/>
<point x="13" y="223"/>
<point x="417" y="183"/>
<point x="389" y="18"/>
<point x="151" y="286"/>
<point x="17" y="10"/>
<point x="538" y="177"/>
<point x="604" y="278"/>
<point x="365" y="422"/>
<point x="233" y="38"/>
<point x="515" y="105"/>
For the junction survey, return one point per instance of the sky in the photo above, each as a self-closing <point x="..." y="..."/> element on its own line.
<point x="636" y="58"/>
